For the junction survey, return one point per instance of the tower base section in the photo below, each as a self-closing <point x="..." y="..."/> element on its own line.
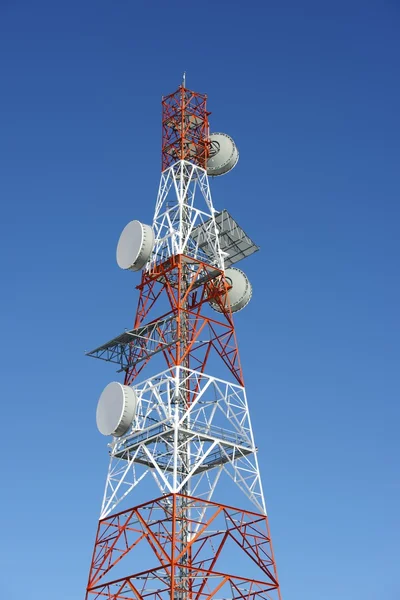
<point x="198" y="550"/>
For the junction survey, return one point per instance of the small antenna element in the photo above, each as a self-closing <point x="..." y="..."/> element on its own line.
<point x="184" y="79"/>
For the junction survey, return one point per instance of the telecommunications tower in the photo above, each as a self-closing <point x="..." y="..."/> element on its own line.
<point x="179" y="425"/>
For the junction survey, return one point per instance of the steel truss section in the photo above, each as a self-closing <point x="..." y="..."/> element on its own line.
<point x="218" y="536"/>
<point x="176" y="216"/>
<point x="197" y="334"/>
<point x="185" y="128"/>
<point x="132" y="350"/>
<point x="214" y="424"/>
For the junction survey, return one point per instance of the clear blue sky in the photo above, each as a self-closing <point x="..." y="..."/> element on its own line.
<point x="310" y="92"/>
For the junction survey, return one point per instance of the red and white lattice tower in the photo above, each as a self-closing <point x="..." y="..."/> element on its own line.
<point x="175" y="425"/>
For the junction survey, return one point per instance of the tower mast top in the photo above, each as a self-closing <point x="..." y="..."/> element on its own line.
<point x="185" y="129"/>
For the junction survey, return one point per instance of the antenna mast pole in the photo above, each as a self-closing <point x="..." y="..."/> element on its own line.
<point x="184" y="584"/>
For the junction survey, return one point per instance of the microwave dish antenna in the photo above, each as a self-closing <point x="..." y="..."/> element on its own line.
<point x="135" y="246"/>
<point x="223" y="154"/>
<point x="116" y="409"/>
<point x="239" y="294"/>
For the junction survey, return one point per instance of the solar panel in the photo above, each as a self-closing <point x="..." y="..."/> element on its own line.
<point x="232" y="238"/>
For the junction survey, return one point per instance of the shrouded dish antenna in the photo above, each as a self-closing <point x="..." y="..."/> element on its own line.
<point x="239" y="294"/>
<point x="223" y="154"/>
<point x="116" y="409"/>
<point x="135" y="246"/>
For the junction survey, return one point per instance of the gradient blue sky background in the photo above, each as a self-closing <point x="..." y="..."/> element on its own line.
<point x="310" y="92"/>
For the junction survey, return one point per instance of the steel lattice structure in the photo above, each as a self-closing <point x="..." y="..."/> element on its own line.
<point x="192" y="429"/>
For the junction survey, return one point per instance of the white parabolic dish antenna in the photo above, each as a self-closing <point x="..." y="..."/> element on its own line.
<point x="240" y="293"/>
<point x="116" y="409"/>
<point x="223" y="154"/>
<point x="135" y="246"/>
